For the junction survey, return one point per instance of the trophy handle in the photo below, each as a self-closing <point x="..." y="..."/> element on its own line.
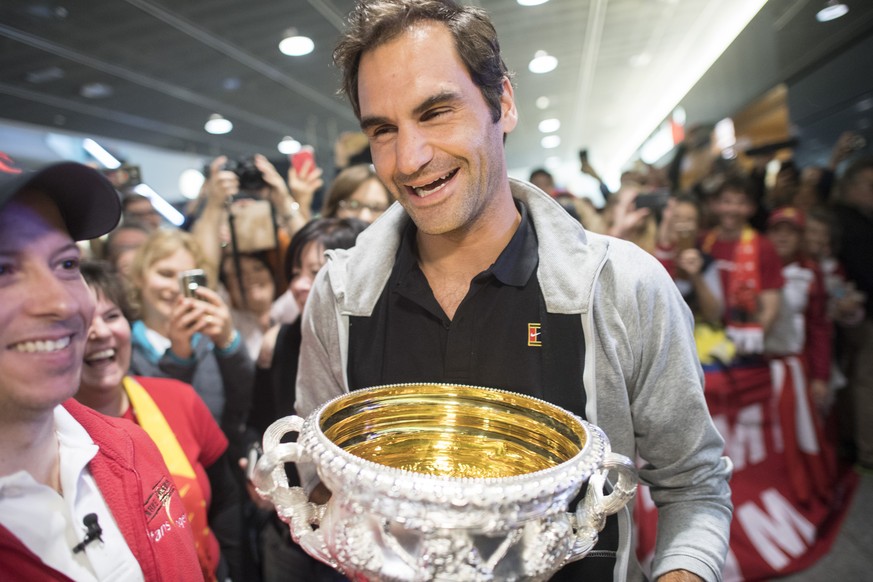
<point x="591" y="514"/>
<point x="292" y="503"/>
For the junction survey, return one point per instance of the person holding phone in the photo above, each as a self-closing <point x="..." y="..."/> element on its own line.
<point x="191" y="339"/>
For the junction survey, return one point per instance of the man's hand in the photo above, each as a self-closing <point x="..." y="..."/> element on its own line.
<point x="278" y="190"/>
<point x="680" y="576"/>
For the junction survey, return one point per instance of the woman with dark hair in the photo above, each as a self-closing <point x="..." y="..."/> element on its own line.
<point x="274" y="393"/>
<point x="174" y="416"/>
<point x="252" y="288"/>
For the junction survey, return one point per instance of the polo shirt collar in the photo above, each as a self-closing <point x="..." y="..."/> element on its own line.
<point x="514" y="266"/>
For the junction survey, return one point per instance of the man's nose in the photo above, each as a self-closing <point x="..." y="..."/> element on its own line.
<point x="54" y="296"/>
<point x="413" y="151"/>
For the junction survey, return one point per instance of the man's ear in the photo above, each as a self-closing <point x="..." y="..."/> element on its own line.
<point x="508" y="111"/>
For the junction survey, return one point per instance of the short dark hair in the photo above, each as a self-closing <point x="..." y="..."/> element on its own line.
<point x="105" y="280"/>
<point x="851" y="173"/>
<point x="332" y="233"/>
<point x="736" y="183"/>
<point x="540" y="172"/>
<point x="375" y="22"/>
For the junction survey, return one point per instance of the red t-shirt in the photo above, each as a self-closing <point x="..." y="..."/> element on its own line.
<point x="197" y="432"/>
<point x="769" y="263"/>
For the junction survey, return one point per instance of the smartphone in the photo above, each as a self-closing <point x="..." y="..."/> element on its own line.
<point x="189" y="281"/>
<point x="655" y="200"/>
<point x="299" y="159"/>
<point x="583" y="156"/>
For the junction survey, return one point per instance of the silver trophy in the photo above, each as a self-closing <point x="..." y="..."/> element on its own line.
<point x="445" y="482"/>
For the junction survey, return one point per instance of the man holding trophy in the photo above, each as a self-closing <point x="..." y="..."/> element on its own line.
<point x="479" y="279"/>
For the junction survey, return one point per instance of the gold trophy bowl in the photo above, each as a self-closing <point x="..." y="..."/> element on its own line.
<point x="445" y="482"/>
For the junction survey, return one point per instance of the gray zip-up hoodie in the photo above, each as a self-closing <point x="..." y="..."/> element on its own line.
<point x="643" y="382"/>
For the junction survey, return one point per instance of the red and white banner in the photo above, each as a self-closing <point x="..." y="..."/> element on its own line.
<point x="789" y="495"/>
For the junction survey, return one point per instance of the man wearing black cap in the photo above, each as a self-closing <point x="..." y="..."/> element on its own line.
<point x="72" y="503"/>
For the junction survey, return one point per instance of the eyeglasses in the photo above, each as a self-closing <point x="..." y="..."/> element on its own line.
<point x="358" y="206"/>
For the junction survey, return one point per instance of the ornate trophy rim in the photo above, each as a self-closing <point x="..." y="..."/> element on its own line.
<point x="529" y="495"/>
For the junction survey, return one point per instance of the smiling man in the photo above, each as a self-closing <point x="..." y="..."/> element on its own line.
<point x="72" y="503"/>
<point x="475" y="278"/>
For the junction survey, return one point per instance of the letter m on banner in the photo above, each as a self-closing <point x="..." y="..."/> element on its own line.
<point x="777" y="530"/>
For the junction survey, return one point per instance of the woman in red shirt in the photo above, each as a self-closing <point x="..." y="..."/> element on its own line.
<point x="173" y="415"/>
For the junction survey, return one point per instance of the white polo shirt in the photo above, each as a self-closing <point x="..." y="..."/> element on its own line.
<point x="51" y="525"/>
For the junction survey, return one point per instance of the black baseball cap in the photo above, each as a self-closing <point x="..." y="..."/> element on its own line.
<point x="89" y="205"/>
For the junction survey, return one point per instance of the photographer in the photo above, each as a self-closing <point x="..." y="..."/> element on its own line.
<point x="236" y="191"/>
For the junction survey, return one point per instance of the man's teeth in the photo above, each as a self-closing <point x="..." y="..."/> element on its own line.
<point x="43" y="346"/>
<point x="434" y="186"/>
<point x="101" y="355"/>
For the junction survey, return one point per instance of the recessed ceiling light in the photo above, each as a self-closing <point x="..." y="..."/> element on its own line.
<point x="550" y="125"/>
<point x="295" y="45"/>
<point x="96" y="91"/>
<point x="542" y="62"/>
<point x="532" y="2"/>
<point x="289" y="145"/>
<point x="543" y="102"/>
<point x="44" y="75"/>
<point x="217" y="125"/>
<point x="190" y="182"/>
<point x="231" y="83"/>
<point x="550" y="141"/>
<point x="832" y="11"/>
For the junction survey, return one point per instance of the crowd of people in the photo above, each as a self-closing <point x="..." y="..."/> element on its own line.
<point x="186" y="377"/>
<point x="773" y="269"/>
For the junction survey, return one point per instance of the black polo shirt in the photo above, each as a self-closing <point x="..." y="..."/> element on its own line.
<point x="501" y="335"/>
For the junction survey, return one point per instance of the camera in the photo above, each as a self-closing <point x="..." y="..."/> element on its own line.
<point x="250" y="177"/>
<point x="655" y="200"/>
<point x="189" y="281"/>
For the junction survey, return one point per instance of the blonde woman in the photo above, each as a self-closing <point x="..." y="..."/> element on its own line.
<point x="191" y="339"/>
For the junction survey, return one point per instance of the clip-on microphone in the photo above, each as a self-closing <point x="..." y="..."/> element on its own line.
<point x="94" y="532"/>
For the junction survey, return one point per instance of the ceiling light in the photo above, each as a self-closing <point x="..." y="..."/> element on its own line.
<point x="295" y="45"/>
<point x="217" y="125"/>
<point x="551" y="141"/>
<point x="542" y="62"/>
<point x="44" y="75"/>
<point x="99" y="153"/>
<point x="532" y="2"/>
<point x="190" y="182"/>
<point x="549" y="125"/>
<point x="543" y="102"/>
<point x="289" y="146"/>
<point x="96" y="91"/>
<point x="231" y="83"/>
<point x="160" y="204"/>
<point x="831" y="11"/>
